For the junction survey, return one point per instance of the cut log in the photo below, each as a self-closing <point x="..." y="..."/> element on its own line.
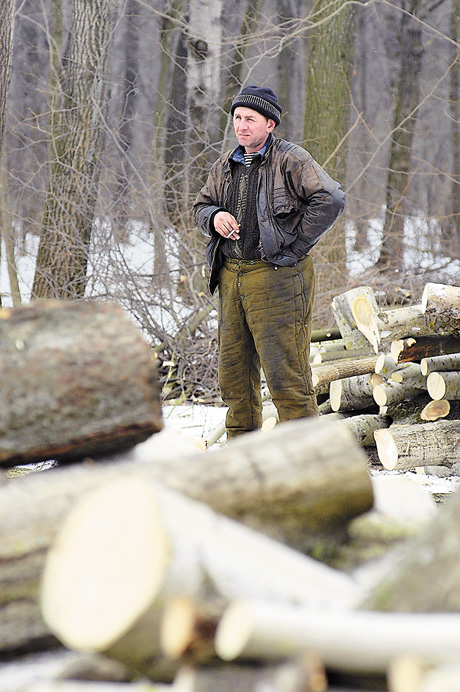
<point x="402" y="322"/>
<point x="427" y="577"/>
<point x="441" y="307"/>
<point x="362" y="427"/>
<point x="426" y="444"/>
<point x="187" y="630"/>
<point x="409" y="374"/>
<point x="325" y="334"/>
<point x="126" y="548"/>
<point x="445" y="363"/>
<point x="391" y="392"/>
<point x="77" y="379"/>
<point x="385" y="365"/>
<point x="352" y="310"/>
<point x="352" y="393"/>
<point x="323" y="375"/>
<point x="435" y="410"/>
<point x="301" y="483"/>
<point x="424" y="347"/>
<point x="353" y="642"/>
<point x="444" y="385"/>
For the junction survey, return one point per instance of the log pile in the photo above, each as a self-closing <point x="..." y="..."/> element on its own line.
<point x="414" y="381"/>
<point x="149" y="566"/>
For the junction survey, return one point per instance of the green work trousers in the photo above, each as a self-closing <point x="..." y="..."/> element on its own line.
<point x="265" y="315"/>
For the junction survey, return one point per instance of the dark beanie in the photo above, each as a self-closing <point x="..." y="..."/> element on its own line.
<point x="260" y="99"/>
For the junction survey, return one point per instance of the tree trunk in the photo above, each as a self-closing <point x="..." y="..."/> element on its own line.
<point x="347" y="641"/>
<point x="407" y="102"/>
<point x="6" y="54"/>
<point x="69" y="212"/>
<point x="153" y="544"/>
<point x="427" y="578"/>
<point x="426" y="444"/>
<point x="335" y="370"/>
<point x="77" y="379"/>
<point x="290" y="484"/>
<point x="327" y="116"/>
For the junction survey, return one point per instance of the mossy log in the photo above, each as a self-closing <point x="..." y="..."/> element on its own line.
<point x="427" y="577"/>
<point x="77" y="380"/>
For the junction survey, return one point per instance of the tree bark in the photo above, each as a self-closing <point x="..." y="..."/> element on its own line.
<point x="127" y="547"/>
<point x="426" y="444"/>
<point x="357" y="641"/>
<point x="323" y="375"/>
<point x="403" y="350"/>
<point x="289" y="483"/>
<point x="407" y="102"/>
<point x="450" y="362"/>
<point x="77" y="379"/>
<point x="6" y="41"/>
<point x="69" y="212"/>
<point x="427" y="578"/>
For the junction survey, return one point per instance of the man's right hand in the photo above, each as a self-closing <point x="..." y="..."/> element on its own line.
<point x="226" y="224"/>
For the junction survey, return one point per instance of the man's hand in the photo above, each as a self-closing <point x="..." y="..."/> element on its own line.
<point x="226" y="225"/>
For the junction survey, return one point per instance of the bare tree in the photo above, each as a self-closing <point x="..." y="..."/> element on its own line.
<point x="77" y="144"/>
<point x="6" y="41"/>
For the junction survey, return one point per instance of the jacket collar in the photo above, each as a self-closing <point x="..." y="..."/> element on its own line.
<point x="237" y="154"/>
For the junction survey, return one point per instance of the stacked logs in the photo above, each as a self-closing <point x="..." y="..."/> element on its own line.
<point x="411" y="382"/>
<point x="197" y="571"/>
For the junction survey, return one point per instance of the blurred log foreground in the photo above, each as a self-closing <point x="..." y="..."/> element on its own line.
<point x="195" y="571"/>
<point x="76" y="379"/>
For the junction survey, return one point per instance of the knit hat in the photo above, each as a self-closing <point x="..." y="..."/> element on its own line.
<point x="260" y="99"/>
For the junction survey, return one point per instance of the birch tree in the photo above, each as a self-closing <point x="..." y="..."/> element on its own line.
<point x="70" y="206"/>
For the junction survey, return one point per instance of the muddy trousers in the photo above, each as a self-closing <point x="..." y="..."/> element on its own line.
<point x="265" y="317"/>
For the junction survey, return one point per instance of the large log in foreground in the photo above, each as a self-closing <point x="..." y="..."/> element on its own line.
<point x="128" y="547"/>
<point x="77" y="379"/>
<point x="304" y="480"/>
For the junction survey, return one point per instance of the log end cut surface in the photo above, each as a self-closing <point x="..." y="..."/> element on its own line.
<point x="386" y="448"/>
<point x="102" y="573"/>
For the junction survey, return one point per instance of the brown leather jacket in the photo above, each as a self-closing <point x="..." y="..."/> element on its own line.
<point x="297" y="203"/>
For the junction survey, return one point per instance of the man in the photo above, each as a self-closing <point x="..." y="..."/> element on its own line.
<point x="264" y="206"/>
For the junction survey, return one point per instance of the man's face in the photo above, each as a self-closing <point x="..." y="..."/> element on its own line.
<point x="251" y="128"/>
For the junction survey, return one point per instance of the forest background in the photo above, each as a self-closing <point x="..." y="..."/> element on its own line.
<point x="112" y="112"/>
